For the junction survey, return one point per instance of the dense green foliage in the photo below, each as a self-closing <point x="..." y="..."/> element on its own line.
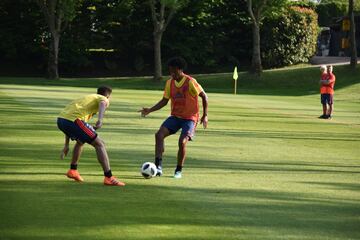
<point x="222" y="28"/>
<point x="114" y="38"/>
<point x="293" y="37"/>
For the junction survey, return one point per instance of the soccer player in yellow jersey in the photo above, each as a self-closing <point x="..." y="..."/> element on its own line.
<point x="72" y="121"/>
<point x="183" y="91"/>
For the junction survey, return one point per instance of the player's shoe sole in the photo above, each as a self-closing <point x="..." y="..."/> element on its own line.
<point x="113" y="181"/>
<point x="74" y="174"/>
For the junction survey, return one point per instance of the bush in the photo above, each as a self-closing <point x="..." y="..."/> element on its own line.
<point x="289" y="38"/>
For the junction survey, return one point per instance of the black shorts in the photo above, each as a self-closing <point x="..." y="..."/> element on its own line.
<point x="327" y="98"/>
<point x="77" y="130"/>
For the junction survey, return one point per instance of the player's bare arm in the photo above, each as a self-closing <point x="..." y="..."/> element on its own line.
<point x="162" y="103"/>
<point x="204" y="118"/>
<point x="65" y="150"/>
<point x="102" y="108"/>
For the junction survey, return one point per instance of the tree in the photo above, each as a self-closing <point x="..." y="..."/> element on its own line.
<point x="258" y="9"/>
<point x="290" y="37"/>
<point x="57" y="13"/>
<point x="353" y="59"/>
<point x="161" y="20"/>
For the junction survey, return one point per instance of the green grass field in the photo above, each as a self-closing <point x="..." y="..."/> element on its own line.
<point x="266" y="168"/>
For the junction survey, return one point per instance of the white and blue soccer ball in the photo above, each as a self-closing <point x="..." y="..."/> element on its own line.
<point x="148" y="170"/>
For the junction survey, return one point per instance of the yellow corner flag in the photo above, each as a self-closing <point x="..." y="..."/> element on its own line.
<point x="235" y="77"/>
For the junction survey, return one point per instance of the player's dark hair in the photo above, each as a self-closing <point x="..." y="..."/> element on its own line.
<point x="177" y="62"/>
<point x="104" y="90"/>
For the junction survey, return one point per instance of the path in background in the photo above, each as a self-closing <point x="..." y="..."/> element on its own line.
<point x="317" y="60"/>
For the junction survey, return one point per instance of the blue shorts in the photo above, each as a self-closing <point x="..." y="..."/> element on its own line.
<point x="77" y="130"/>
<point x="173" y="124"/>
<point x="327" y="99"/>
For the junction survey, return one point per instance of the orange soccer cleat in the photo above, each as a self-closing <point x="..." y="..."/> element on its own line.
<point x="74" y="174"/>
<point x="113" y="181"/>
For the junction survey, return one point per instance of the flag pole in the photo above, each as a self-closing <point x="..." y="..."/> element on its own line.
<point x="235" y="77"/>
<point x="235" y="87"/>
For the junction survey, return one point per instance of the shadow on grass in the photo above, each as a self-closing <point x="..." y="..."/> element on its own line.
<point x="44" y="209"/>
<point x="237" y="166"/>
<point x="62" y="210"/>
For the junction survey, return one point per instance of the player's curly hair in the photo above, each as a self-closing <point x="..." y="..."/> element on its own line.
<point x="177" y="62"/>
<point x="104" y="90"/>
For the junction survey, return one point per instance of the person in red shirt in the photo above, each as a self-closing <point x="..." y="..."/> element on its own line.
<point x="183" y="91"/>
<point x="327" y="84"/>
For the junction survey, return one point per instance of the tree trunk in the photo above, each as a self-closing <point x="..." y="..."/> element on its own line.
<point x="160" y="23"/>
<point x="353" y="59"/>
<point x="53" y="72"/>
<point x="157" y="56"/>
<point x="256" y="66"/>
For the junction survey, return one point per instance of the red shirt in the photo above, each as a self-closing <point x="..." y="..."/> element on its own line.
<point x="328" y="88"/>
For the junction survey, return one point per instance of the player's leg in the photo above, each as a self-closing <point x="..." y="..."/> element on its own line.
<point x="78" y="147"/>
<point x="101" y="154"/>
<point x="160" y="135"/>
<point x="71" y="129"/>
<point x="103" y="159"/>
<point x="324" y="110"/>
<point x="73" y="172"/>
<point x="183" y="140"/>
<point x="187" y="134"/>
<point x="330" y="110"/>
<point x="170" y="126"/>
<point x="324" y="106"/>
<point x="331" y="106"/>
<point x="82" y="132"/>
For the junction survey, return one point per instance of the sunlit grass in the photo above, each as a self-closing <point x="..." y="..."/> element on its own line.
<point x="266" y="168"/>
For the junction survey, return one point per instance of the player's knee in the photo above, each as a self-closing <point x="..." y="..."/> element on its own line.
<point x="98" y="143"/>
<point x="159" y="135"/>
<point x="182" y="142"/>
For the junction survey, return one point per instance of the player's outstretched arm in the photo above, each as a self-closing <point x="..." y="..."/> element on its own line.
<point x="204" y="118"/>
<point x="65" y="150"/>
<point x="162" y="103"/>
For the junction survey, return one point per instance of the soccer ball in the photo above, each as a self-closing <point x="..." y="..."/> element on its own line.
<point x="148" y="170"/>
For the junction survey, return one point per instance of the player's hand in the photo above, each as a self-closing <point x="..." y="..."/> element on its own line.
<point x="144" y="111"/>
<point x="64" y="152"/>
<point x="204" y="121"/>
<point x="98" y="124"/>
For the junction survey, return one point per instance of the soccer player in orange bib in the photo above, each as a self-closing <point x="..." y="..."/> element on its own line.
<point x="183" y="91"/>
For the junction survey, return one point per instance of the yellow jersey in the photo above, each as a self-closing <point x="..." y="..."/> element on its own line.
<point x="83" y="108"/>
<point x="194" y="87"/>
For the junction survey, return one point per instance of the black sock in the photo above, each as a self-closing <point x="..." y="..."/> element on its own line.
<point x="178" y="168"/>
<point x="158" y="162"/>
<point x="73" y="166"/>
<point x="108" y="174"/>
